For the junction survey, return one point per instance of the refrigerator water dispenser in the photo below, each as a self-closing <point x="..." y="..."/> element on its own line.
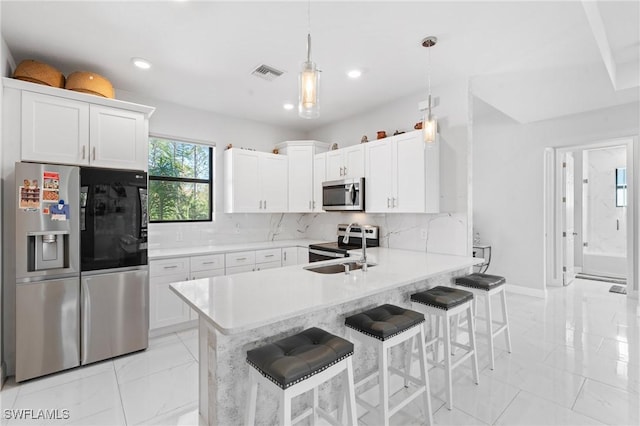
<point x="47" y="250"/>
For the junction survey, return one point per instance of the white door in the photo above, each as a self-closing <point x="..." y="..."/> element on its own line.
<point x="54" y="130"/>
<point x="117" y="138"/>
<point x="354" y="161"/>
<point x="244" y="185"/>
<point x="300" y="178"/>
<point x="274" y="183"/>
<point x="409" y="174"/>
<point x="319" y="176"/>
<point x="568" y="232"/>
<point x="378" y="181"/>
<point x="335" y="164"/>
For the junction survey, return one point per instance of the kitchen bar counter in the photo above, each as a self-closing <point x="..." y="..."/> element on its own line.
<point x="241" y="312"/>
<point x="156" y="253"/>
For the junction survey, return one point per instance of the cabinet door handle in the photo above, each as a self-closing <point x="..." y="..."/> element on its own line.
<point x="84" y="148"/>
<point x="94" y="153"/>
<point x="265" y="204"/>
<point x="268" y="255"/>
<point x="345" y="170"/>
<point x="285" y="256"/>
<point x="208" y="263"/>
<point x="388" y="202"/>
<point x="340" y="171"/>
<point x="170" y="267"/>
<point x="241" y="258"/>
<point x="393" y="202"/>
<point x="314" y="204"/>
<point x="260" y="204"/>
<point x="310" y="205"/>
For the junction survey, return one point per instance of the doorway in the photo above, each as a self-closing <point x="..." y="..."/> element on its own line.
<point x="588" y="221"/>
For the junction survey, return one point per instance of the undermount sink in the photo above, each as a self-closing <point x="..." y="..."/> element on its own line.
<point x="337" y="268"/>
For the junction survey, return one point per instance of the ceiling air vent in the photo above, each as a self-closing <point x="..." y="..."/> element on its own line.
<point x="266" y="72"/>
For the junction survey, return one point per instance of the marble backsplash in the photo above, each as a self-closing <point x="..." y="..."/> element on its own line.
<point x="437" y="233"/>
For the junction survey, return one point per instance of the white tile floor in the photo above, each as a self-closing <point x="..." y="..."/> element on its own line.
<point x="575" y="361"/>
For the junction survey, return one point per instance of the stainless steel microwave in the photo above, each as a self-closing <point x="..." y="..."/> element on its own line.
<point x="346" y="194"/>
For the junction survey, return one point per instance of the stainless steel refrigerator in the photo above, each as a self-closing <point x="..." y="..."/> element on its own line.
<point x="76" y="304"/>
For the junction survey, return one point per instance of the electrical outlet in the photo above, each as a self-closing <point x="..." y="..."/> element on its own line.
<point x="424" y="233"/>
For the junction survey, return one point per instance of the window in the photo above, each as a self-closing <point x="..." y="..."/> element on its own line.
<point x="180" y="181"/>
<point x="621" y="187"/>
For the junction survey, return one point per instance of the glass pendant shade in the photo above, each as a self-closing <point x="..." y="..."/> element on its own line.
<point x="309" y="89"/>
<point x="429" y="129"/>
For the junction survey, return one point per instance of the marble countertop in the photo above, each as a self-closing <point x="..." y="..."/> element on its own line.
<point x="242" y="302"/>
<point x="165" y="253"/>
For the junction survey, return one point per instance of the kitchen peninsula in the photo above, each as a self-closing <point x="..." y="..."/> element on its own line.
<point x="240" y="312"/>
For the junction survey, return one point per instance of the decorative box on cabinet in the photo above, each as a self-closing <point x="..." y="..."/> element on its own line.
<point x="66" y="127"/>
<point x="254" y="182"/>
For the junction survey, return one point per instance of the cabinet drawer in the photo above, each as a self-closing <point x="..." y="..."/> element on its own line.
<point x="240" y="258"/>
<point x="238" y="269"/>
<point x="196" y="275"/>
<point x="169" y="266"/>
<point x="210" y="261"/>
<point x="268" y="265"/>
<point x="271" y="255"/>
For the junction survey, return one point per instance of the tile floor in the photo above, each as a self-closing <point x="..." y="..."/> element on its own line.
<point x="575" y="361"/>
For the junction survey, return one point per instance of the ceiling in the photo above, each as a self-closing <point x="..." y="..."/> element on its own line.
<point x="203" y="52"/>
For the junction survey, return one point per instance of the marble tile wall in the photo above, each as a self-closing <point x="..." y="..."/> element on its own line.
<point x="437" y="233"/>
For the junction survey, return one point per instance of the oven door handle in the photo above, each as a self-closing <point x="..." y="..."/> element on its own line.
<point x="326" y="253"/>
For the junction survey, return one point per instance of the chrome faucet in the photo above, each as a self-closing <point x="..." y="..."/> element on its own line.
<point x="345" y="239"/>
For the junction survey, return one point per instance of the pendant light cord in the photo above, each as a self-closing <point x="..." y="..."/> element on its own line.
<point x="429" y="78"/>
<point x="309" y="31"/>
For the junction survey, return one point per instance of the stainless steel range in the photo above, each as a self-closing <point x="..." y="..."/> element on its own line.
<point x="340" y="249"/>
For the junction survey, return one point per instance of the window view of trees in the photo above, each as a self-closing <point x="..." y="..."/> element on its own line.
<point x="180" y="181"/>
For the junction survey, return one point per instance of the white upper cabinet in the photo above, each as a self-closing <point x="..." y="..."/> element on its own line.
<point x="301" y="173"/>
<point x="118" y="138"/>
<point x="54" y="129"/>
<point x="345" y="163"/>
<point x="66" y="127"/>
<point x="402" y="175"/>
<point x="255" y="182"/>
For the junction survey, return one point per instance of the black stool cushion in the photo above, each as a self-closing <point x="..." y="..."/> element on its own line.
<point x="295" y="358"/>
<point x="442" y="297"/>
<point x="481" y="281"/>
<point x="384" y="322"/>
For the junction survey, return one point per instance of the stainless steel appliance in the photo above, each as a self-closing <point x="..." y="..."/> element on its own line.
<point x="339" y="249"/>
<point x="47" y="269"/>
<point x="347" y="194"/>
<point x="74" y="309"/>
<point x="114" y="272"/>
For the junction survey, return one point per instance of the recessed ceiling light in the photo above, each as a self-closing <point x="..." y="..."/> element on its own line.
<point x="354" y="74"/>
<point x="141" y="63"/>
<point x="288" y="107"/>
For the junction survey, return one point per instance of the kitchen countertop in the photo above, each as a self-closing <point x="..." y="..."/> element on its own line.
<point x="166" y="253"/>
<point x="242" y="302"/>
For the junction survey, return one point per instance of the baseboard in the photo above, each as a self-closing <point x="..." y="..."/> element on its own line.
<point x="173" y="328"/>
<point x="527" y="291"/>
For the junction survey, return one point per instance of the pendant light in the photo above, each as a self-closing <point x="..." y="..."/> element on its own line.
<point x="429" y="123"/>
<point x="309" y="81"/>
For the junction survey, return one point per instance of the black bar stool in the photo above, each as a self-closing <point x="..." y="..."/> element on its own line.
<point x="384" y="327"/>
<point x="297" y="364"/>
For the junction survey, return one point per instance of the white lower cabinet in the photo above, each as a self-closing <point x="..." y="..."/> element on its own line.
<point x="165" y="307"/>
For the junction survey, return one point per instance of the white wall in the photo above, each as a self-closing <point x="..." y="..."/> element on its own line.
<point x="508" y="181"/>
